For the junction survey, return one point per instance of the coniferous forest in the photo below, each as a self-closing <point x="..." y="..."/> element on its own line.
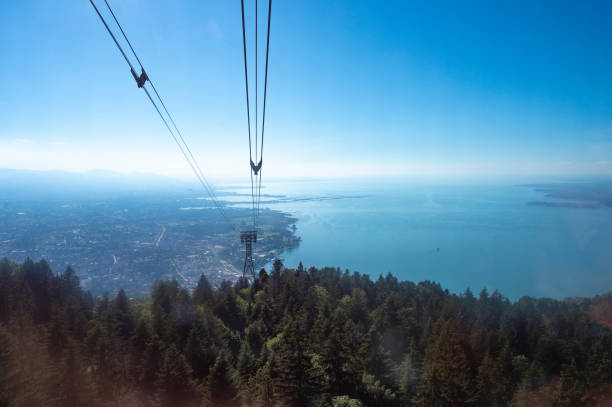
<point x="316" y="337"/>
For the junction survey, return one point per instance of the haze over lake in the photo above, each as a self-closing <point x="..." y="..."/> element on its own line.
<point x="459" y="234"/>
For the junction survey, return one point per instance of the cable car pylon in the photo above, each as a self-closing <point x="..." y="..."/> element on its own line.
<point x="248" y="237"/>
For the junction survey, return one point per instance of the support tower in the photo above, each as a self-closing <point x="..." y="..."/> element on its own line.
<point x="248" y="237"/>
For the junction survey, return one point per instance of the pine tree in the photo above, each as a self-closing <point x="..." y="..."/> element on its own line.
<point x="261" y="387"/>
<point x="72" y="385"/>
<point x="409" y="377"/>
<point x="489" y="383"/>
<point x="203" y="293"/>
<point x="222" y="392"/>
<point x="245" y="368"/>
<point x="572" y="386"/>
<point x="122" y="322"/>
<point x="174" y="380"/>
<point x="448" y="380"/>
<point x="333" y="361"/>
<point x="28" y="372"/>
<point x="292" y="369"/>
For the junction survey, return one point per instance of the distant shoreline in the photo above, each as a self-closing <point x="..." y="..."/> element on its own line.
<point x="593" y="195"/>
<point x="564" y="204"/>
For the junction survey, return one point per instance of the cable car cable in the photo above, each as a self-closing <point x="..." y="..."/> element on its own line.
<point x="246" y="82"/>
<point x="141" y="81"/>
<point x="263" y="120"/>
<point x="161" y="101"/>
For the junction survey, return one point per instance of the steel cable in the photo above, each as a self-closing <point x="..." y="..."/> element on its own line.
<point x="184" y="147"/>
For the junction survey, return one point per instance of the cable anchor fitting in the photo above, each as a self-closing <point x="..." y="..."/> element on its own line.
<point x="140" y="80"/>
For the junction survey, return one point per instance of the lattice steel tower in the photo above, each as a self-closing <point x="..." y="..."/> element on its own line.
<point x="248" y="237"/>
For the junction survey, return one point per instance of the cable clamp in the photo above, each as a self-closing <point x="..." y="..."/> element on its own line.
<point x="256" y="168"/>
<point x="140" y="80"/>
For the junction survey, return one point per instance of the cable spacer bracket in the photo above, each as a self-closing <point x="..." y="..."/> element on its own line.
<point x="140" y="80"/>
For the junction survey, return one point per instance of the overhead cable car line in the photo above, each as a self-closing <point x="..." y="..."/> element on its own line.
<point x="141" y="82"/>
<point x="211" y="190"/>
<point x="257" y="177"/>
<point x="256" y="212"/>
<point x="249" y="237"/>
<point x="256" y="82"/>
<point x="263" y="119"/>
<point x="246" y="82"/>
<point x="202" y="181"/>
<point x="258" y="154"/>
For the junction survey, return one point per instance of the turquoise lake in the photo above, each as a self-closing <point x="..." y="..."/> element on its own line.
<point x="460" y="235"/>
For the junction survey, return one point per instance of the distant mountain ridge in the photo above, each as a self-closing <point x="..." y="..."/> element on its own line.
<point x="20" y="183"/>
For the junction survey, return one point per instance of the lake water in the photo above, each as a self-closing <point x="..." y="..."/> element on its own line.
<point x="461" y="235"/>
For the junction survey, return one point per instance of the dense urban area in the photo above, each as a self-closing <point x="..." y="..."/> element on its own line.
<point x="129" y="242"/>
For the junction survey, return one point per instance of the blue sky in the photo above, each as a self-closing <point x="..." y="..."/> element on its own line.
<point x="355" y="88"/>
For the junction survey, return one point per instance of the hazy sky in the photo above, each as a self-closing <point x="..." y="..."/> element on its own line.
<point x="355" y="87"/>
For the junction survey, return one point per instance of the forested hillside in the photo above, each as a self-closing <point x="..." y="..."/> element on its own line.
<point x="317" y="337"/>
